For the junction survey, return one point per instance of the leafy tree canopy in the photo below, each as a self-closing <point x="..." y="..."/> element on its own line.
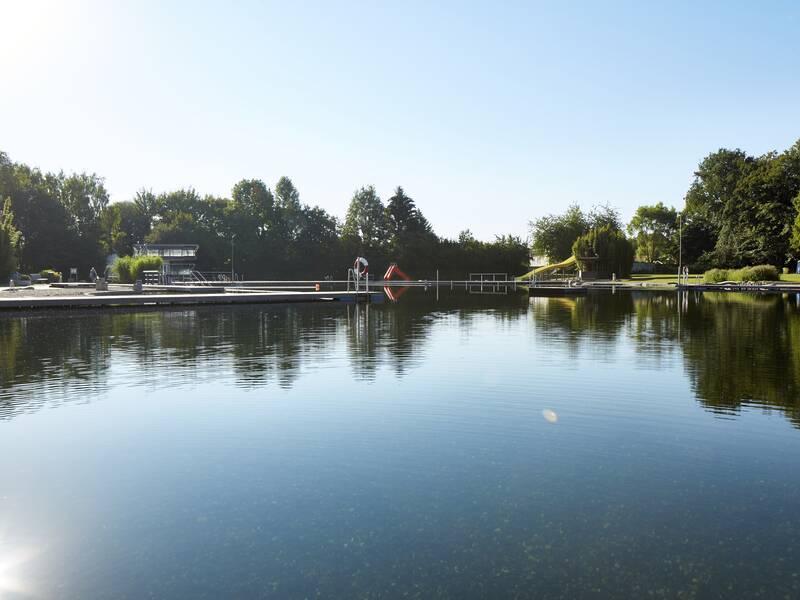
<point x="604" y="250"/>
<point x="10" y="240"/>
<point x="553" y="235"/>
<point x="366" y="221"/>
<point x="653" y="227"/>
<point x="745" y="206"/>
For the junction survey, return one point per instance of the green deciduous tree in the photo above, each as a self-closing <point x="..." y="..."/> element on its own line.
<point x="289" y="209"/>
<point x="553" y="235"/>
<point x="147" y="203"/>
<point x="757" y="226"/>
<point x="251" y="217"/>
<point x="122" y="224"/>
<point x="317" y="251"/>
<point x="56" y="214"/>
<point x="84" y="197"/>
<point x="794" y="240"/>
<point x="604" y="250"/>
<point x="254" y="202"/>
<point x="744" y="204"/>
<point x="712" y="194"/>
<point x="366" y="224"/>
<point x="653" y="227"/>
<point x="10" y="239"/>
<point x="604" y="215"/>
<point x="698" y="239"/>
<point x="466" y="238"/>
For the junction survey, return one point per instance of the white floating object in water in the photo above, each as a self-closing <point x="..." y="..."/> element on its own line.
<point x="549" y="415"/>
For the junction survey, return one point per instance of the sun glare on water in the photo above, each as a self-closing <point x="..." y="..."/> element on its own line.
<point x="12" y="584"/>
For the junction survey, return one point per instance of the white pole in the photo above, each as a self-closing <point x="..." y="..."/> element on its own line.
<point x="680" y="247"/>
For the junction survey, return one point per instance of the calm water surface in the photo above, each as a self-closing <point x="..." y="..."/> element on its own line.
<point x="629" y="445"/>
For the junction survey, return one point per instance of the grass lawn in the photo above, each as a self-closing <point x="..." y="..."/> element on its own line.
<point x="793" y="277"/>
<point x="665" y="279"/>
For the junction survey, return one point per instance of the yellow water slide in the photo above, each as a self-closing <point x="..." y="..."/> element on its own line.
<point x="545" y="269"/>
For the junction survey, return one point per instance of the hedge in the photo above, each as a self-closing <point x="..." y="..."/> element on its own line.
<point x="756" y="273"/>
<point x="128" y="268"/>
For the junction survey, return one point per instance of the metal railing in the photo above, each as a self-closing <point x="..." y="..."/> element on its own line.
<point x="151" y="277"/>
<point x="485" y="277"/>
<point x="356" y="279"/>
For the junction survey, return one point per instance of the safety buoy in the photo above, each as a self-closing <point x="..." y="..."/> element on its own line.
<point x="361" y="266"/>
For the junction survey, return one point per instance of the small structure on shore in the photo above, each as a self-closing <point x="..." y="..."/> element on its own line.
<point x="178" y="259"/>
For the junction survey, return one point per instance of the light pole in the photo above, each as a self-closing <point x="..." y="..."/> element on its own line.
<point x="233" y="237"/>
<point x="680" y="246"/>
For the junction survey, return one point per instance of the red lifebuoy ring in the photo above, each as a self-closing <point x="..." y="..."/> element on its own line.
<point x="361" y="266"/>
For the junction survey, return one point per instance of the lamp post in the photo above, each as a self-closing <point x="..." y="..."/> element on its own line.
<point x="680" y="247"/>
<point x="233" y="237"/>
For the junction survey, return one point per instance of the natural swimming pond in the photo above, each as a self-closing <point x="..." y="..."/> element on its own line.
<point x="627" y="445"/>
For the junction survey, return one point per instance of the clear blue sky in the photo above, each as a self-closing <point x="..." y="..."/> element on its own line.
<point x="487" y="114"/>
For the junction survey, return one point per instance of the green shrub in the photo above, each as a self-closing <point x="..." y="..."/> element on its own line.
<point x="51" y="275"/>
<point x="716" y="276"/>
<point x="122" y="269"/>
<point x="128" y="269"/>
<point x="743" y="274"/>
<point x="760" y="273"/>
<point x="145" y="263"/>
<point x="757" y="273"/>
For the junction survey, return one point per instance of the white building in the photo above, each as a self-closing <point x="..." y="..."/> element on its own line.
<point x="178" y="258"/>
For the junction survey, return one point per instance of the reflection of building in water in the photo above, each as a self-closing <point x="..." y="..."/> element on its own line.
<point x="490" y="283"/>
<point x="178" y="259"/>
<point x="494" y="289"/>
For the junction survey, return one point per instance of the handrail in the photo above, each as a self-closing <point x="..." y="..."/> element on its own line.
<point x="199" y="278"/>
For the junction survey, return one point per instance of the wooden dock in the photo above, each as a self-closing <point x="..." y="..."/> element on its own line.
<point x="128" y="300"/>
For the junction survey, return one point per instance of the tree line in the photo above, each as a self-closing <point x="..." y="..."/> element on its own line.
<point x="740" y="210"/>
<point x="55" y="220"/>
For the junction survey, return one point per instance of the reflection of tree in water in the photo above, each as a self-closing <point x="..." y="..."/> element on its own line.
<point x="42" y="358"/>
<point x="737" y="349"/>
<point x="51" y="358"/>
<point x="60" y="357"/>
<point x="397" y="334"/>
<point x="744" y="349"/>
<point x="592" y="321"/>
<point x="276" y="342"/>
<point x="654" y="328"/>
<point x="259" y="344"/>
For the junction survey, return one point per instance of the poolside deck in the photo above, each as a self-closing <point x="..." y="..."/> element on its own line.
<point x="127" y="300"/>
